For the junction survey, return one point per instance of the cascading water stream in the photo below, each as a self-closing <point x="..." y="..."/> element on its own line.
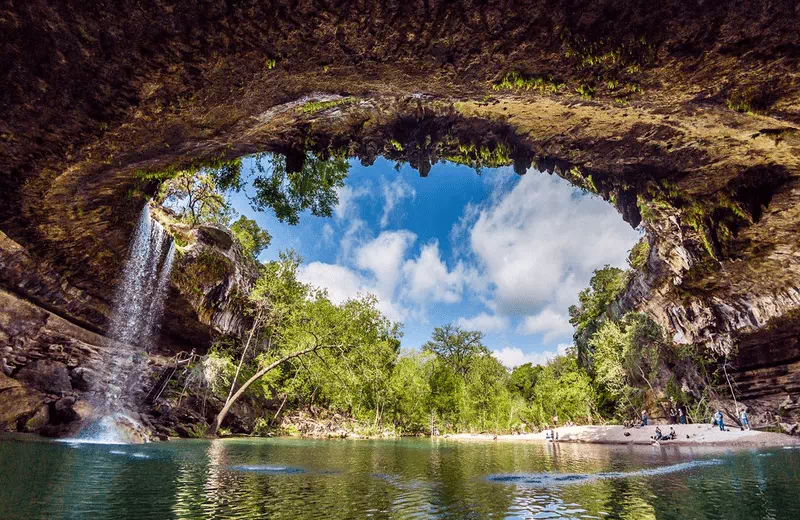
<point x="138" y="308"/>
<point x="139" y="301"/>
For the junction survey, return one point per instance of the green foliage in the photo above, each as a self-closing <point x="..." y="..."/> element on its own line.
<point x="585" y="91"/>
<point x="313" y="188"/>
<point x="637" y="257"/>
<point x="312" y="107"/>
<point x="750" y="100"/>
<point x="575" y="176"/>
<point x="627" y="357"/>
<point x="410" y="390"/>
<point x="251" y="236"/>
<point x="516" y="81"/>
<point x="587" y="317"/>
<point x="479" y="157"/>
<point x="217" y="370"/>
<point x="351" y="342"/>
<point x="487" y="400"/>
<point x="193" y="196"/>
<point x="456" y="347"/>
<point x="563" y="389"/>
<point x="197" y="194"/>
<point x="523" y="380"/>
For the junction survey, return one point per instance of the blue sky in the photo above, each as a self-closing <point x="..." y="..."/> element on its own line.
<point x="495" y="252"/>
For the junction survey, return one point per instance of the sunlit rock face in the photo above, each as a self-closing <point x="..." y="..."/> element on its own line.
<point x="652" y="115"/>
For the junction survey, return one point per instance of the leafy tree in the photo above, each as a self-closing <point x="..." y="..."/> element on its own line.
<point x="293" y="320"/>
<point x="358" y="382"/>
<point x="288" y="192"/>
<point x="227" y="174"/>
<point x="251" y="236"/>
<point x="487" y="399"/>
<point x="563" y="389"/>
<point x="604" y="287"/>
<point x="523" y="379"/>
<point x="637" y="256"/>
<point x="456" y="346"/>
<point x="196" y="198"/>
<point x="628" y="355"/>
<point x="410" y="389"/>
<point x="447" y="389"/>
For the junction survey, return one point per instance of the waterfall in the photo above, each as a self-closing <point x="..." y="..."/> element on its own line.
<point x="138" y="308"/>
<point x="139" y="301"/>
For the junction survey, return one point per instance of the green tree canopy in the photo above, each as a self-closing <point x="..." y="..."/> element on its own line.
<point x="252" y="237"/>
<point x="523" y="379"/>
<point x="456" y="346"/>
<point x="594" y="301"/>
<point x="288" y="193"/>
<point x="194" y="196"/>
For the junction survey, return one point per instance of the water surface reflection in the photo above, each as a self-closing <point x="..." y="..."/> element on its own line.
<point x="286" y="478"/>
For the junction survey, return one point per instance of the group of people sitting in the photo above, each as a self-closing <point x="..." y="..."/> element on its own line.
<point x="660" y="437"/>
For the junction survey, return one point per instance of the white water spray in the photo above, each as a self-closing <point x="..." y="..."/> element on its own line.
<point x="139" y="301"/>
<point x="138" y="308"/>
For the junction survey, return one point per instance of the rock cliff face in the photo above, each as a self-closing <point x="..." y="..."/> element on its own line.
<point x="57" y="363"/>
<point x="684" y="115"/>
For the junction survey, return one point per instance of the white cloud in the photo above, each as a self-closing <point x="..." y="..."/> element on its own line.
<point x="383" y="258"/>
<point x="327" y="232"/>
<point x="547" y="322"/>
<point x="353" y="235"/>
<point x="484" y="322"/>
<point x="404" y="285"/>
<point x="540" y="242"/>
<point x="393" y="193"/>
<point x="563" y="348"/>
<point x="347" y="197"/>
<point x="342" y="283"/>
<point x="514" y="356"/>
<point x="428" y="279"/>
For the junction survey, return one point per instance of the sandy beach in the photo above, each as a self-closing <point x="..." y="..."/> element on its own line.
<point x="688" y="434"/>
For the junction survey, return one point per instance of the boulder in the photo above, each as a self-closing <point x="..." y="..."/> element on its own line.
<point x="85" y="379"/>
<point x="791" y="429"/>
<point x="46" y="375"/>
<point x="17" y="404"/>
<point x="38" y="421"/>
<point x="63" y="411"/>
<point x="7" y="383"/>
<point x="4" y="368"/>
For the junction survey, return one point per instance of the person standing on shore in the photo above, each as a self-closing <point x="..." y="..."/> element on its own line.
<point x="745" y="419"/>
<point x="720" y="420"/>
<point x="644" y="417"/>
<point x="681" y="416"/>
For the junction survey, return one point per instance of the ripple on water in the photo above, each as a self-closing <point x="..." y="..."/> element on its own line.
<point x="267" y="468"/>
<point x="545" y="480"/>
